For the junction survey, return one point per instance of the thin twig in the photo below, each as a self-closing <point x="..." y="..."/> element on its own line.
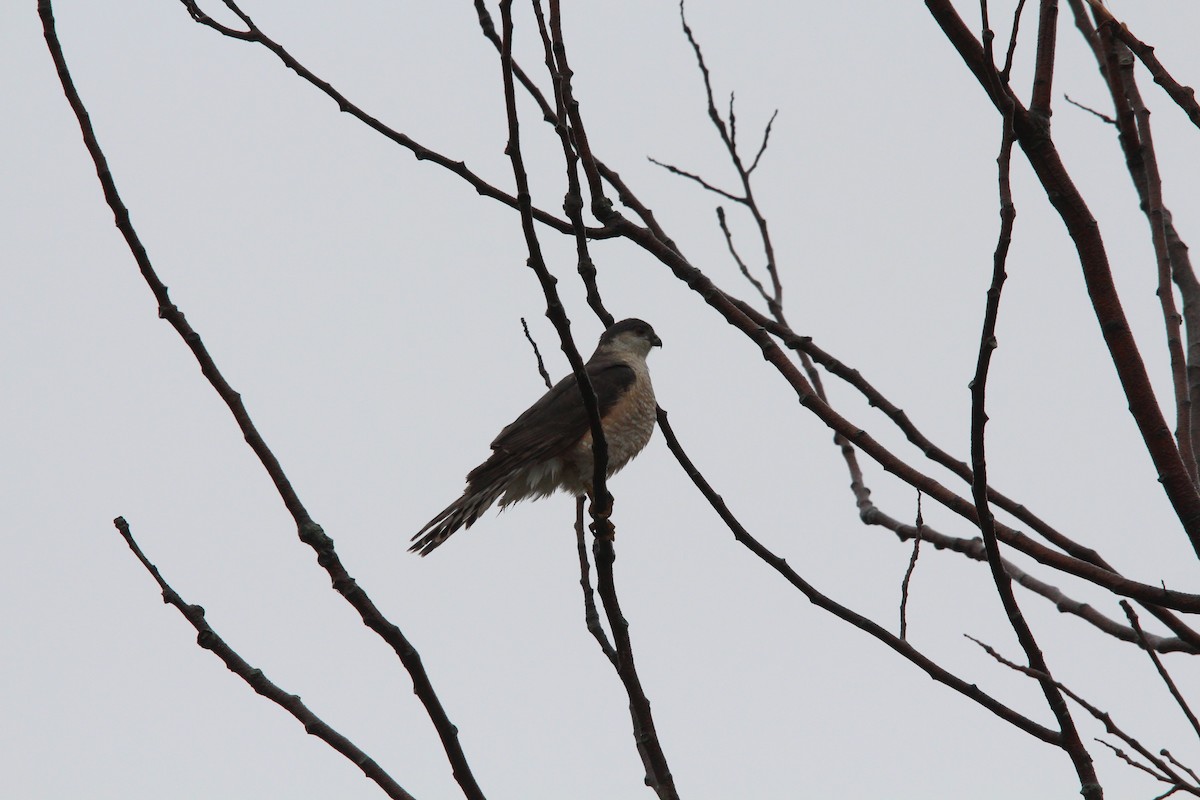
<point x="541" y="366"/>
<point x="745" y="270"/>
<point x="697" y="179"/>
<point x="912" y="567"/>
<point x="255" y="35"/>
<point x="1158" y="665"/>
<point x="1166" y="774"/>
<point x="259" y="682"/>
<point x="1012" y="42"/>
<point x="1105" y="117"/>
<point x="1165" y="753"/>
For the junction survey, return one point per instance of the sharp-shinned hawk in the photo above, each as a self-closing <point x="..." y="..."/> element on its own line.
<point x="549" y="447"/>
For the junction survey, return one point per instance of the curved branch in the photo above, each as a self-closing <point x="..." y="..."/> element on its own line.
<point x="308" y="530"/>
<point x="821" y="600"/>
<point x="255" y="35"/>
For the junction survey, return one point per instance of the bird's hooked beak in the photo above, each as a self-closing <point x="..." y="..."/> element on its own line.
<point x="655" y="341"/>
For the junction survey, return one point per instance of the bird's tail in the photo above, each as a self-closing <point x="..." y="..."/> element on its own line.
<point x="462" y="513"/>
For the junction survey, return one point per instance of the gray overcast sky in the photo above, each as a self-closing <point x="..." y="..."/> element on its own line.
<point x="367" y="306"/>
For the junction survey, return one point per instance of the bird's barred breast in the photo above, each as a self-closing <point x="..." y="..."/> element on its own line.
<point x="629" y="424"/>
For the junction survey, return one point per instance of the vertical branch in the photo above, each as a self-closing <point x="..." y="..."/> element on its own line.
<point x="1137" y="142"/>
<point x="591" y="617"/>
<point x="912" y="567"/>
<point x="554" y="307"/>
<point x="728" y="138"/>
<point x="601" y="205"/>
<point x="1062" y="193"/>
<point x="1043" y="75"/>
<point x="573" y="200"/>
<point x="658" y="774"/>
<point x="1156" y="214"/>
<point x="1071" y="742"/>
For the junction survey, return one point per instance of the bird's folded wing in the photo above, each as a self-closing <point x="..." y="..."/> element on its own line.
<point x="558" y="420"/>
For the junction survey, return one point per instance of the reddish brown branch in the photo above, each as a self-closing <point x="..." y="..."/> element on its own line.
<point x="1134" y="135"/>
<point x="1137" y="142"/>
<point x="1038" y="146"/>
<point x="1043" y="73"/>
<point x="1184" y="96"/>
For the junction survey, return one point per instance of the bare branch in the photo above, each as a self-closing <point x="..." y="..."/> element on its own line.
<point x="1039" y="149"/>
<point x="210" y="640"/>
<point x="1184" y="96"/>
<point x="1043" y="74"/>
<point x="308" y="530"/>
<point x="1158" y="665"/>
<point x="1012" y="42"/>
<point x="1071" y="742"/>
<point x="694" y="177"/>
<point x="755" y="282"/>
<point x="658" y="774"/>
<point x="912" y="567"/>
<point x="1090" y="110"/>
<point x="591" y="617"/>
<point x="541" y="366"/>
<point x="817" y="598"/>
<point x="420" y="152"/>
<point x="1165" y="774"/>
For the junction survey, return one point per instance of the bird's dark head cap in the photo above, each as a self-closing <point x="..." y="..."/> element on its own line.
<point x="637" y="327"/>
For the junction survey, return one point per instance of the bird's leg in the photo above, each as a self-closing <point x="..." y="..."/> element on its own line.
<point x="601" y="514"/>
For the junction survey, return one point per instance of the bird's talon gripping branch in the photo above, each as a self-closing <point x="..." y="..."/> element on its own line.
<point x="549" y="447"/>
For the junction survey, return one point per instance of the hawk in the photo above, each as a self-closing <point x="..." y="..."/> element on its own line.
<point x="549" y="447"/>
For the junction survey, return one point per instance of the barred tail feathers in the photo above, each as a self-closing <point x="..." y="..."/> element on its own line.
<point x="462" y="513"/>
